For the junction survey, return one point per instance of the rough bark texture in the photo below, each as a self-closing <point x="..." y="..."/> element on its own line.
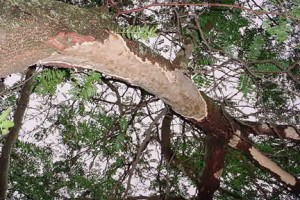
<point x="25" y="28"/>
<point x="54" y="34"/>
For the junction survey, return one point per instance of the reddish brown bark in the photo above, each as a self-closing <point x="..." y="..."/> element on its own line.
<point x="27" y="43"/>
<point x="213" y="167"/>
<point x="209" y="180"/>
<point x="221" y="125"/>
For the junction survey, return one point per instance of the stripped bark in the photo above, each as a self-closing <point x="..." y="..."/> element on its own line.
<point x="224" y="127"/>
<point x="49" y="33"/>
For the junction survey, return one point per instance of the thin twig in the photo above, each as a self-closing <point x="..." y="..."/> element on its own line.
<point x="257" y="12"/>
<point x="141" y="149"/>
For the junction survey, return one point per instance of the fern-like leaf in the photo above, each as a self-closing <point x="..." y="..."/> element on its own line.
<point x="138" y="32"/>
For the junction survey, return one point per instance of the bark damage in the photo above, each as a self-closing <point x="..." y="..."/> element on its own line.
<point x="113" y="57"/>
<point x="54" y="34"/>
<point x="221" y="125"/>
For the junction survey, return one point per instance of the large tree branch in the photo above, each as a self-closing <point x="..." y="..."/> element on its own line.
<point x="223" y="126"/>
<point x="13" y="133"/>
<point x="50" y="33"/>
<point x="105" y="52"/>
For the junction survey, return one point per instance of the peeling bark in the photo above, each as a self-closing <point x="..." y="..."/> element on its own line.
<point x="50" y="33"/>
<point x="263" y="161"/>
<point x="26" y="26"/>
<point x="154" y="77"/>
<point x="224" y="127"/>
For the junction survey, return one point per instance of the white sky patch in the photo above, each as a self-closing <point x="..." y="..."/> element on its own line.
<point x="12" y="79"/>
<point x="62" y="95"/>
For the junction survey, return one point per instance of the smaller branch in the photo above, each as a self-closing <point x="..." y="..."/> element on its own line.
<point x="201" y="33"/>
<point x="257" y="157"/>
<point x="116" y="91"/>
<point x="141" y="149"/>
<point x="282" y="131"/>
<point x="13" y="133"/>
<point x="168" y="4"/>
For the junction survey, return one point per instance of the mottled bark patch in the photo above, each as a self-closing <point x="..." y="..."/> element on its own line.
<point x="64" y="40"/>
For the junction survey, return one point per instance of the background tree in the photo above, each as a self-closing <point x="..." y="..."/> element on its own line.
<point x="135" y="125"/>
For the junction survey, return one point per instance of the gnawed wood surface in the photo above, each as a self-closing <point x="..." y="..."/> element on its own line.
<point x="50" y="33"/>
<point x="113" y="57"/>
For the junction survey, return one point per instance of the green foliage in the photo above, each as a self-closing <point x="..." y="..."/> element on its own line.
<point x="273" y="147"/>
<point x="84" y="87"/>
<point x="203" y="64"/>
<point x="239" y="173"/>
<point x="123" y="124"/>
<point x="273" y="97"/>
<point x="223" y="28"/>
<point x="281" y="31"/>
<point x="30" y="182"/>
<point x="296" y="10"/>
<point x="138" y="32"/>
<point x="205" y="60"/>
<point x="245" y="84"/>
<point x="201" y="81"/>
<point x="36" y="166"/>
<point x="255" y="47"/>
<point x="267" y="68"/>
<point x="4" y="123"/>
<point x="92" y="132"/>
<point x="47" y="81"/>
